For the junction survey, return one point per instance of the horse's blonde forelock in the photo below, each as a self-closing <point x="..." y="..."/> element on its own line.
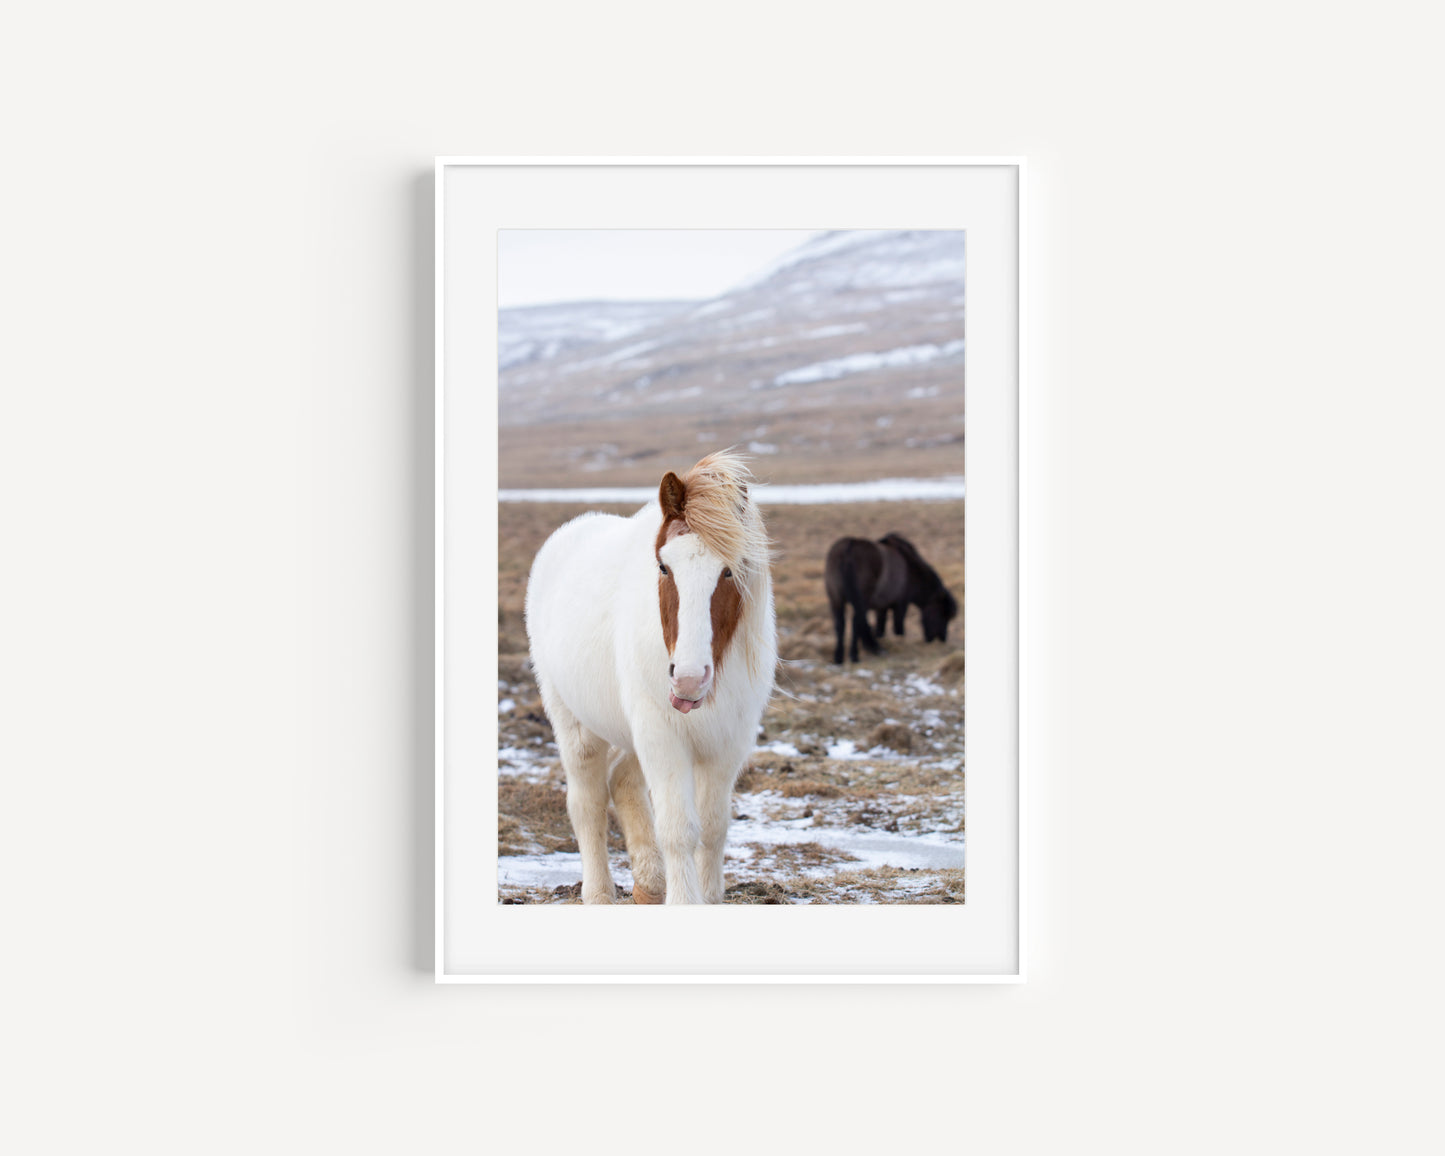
<point x="720" y="511"/>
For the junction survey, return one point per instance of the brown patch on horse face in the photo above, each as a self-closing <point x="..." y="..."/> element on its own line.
<point x="667" y="605"/>
<point x="667" y="599"/>
<point x="727" y="612"/>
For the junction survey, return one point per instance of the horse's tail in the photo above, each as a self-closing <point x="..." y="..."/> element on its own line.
<point x="845" y="589"/>
<point x="848" y="579"/>
<point x="840" y="573"/>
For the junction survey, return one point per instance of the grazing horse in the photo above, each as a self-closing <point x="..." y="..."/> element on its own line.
<point x="654" y="646"/>
<point x="888" y="574"/>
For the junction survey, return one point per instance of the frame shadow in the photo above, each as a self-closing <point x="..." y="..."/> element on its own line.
<point x="421" y="551"/>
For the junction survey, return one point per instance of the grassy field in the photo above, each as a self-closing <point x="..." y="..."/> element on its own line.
<point x="822" y="441"/>
<point x="856" y="793"/>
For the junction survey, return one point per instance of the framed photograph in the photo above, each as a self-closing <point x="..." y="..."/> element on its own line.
<point x="718" y="442"/>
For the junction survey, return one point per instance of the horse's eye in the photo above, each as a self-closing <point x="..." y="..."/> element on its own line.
<point x="662" y="566"/>
<point x="727" y="572"/>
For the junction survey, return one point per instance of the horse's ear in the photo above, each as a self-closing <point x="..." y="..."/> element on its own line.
<point x="671" y="495"/>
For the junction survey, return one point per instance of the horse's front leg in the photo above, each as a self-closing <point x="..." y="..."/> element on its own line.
<point x="584" y="759"/>
<point x="714" y="785"/>
<point x="634" y="812"/>
<point x="668" y="768"/>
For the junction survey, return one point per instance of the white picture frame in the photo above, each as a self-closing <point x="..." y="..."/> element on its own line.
<point x="478" y="941"/>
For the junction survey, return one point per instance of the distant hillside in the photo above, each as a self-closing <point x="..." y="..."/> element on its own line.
<point x="544" y="332"/>
<point x="842" y="360"/>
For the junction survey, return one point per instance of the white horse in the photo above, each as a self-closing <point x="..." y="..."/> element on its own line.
<point x="654" y="646"/>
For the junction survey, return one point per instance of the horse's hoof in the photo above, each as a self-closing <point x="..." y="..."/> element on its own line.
<point x="642" y="895"/>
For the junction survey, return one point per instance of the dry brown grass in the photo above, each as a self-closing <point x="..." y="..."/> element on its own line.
<point x="755" y="778"/>
<point x="532" y="818"/>
<point x="536" y="456"/>
<point x="787" y="858"/>
<point x="892" y="885"/>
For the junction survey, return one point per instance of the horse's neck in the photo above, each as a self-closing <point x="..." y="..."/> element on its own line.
<point x="922" y="573"/>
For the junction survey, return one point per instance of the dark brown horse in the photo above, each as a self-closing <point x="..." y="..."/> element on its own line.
<point x="885" y="575"/>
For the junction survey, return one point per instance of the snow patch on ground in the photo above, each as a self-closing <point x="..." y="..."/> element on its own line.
<point x="846" y="750"/>
<point x="871" y="848"/>
<point x="561" y="868"/>
<point x="920" y="685"/>
<point x="534" y="765"/>
<point x="835" y="330"/>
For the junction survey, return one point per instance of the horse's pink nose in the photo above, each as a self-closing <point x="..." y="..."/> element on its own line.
<point x="690" y="681"/>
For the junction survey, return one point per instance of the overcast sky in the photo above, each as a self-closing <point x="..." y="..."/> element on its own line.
<point x="541" y="266"/>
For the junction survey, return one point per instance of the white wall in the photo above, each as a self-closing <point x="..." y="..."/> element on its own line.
<point x="214" y="449"/>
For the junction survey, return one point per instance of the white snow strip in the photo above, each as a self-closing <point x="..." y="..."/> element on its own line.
<point x="883" y="490"/>
<point x="866" y="362"/>
<point x="873" y="848"/>
<point x="628" y="351"/>
<point x="555" y="870"/>
<point x="846" y="750"/>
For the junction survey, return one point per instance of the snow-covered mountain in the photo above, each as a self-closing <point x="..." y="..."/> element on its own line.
<point x="853" y="342"/>
<point x="846" y="259"/>
<point x="542" y="332"/>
